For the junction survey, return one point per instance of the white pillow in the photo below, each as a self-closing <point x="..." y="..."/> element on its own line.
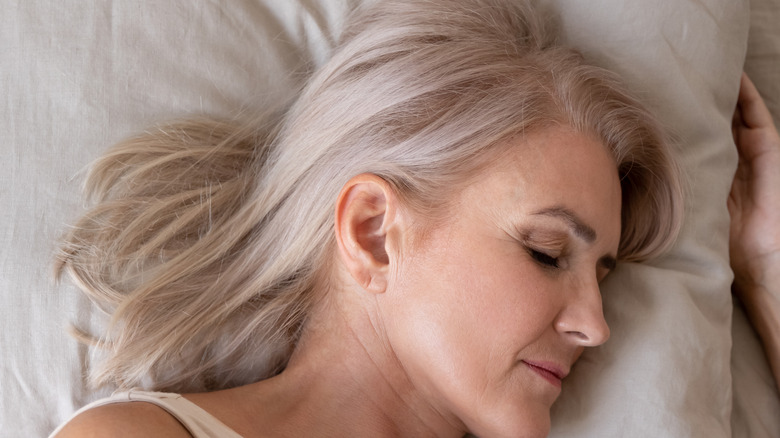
<point x="666" y="369"/>
<point x="78" y="76"/>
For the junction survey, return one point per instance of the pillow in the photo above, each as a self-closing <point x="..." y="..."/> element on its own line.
<point x="77" y="77"/>
<point x="762" y="62"/>
<point x="666" y="369"/>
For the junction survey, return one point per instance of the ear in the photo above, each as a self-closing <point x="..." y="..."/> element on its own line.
<point x="365" y="213"/>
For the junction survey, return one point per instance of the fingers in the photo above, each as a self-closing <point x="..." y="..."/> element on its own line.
<point x="751" y="108"/>
<point x="736" y="124"/>
<point x="753" y="127"/>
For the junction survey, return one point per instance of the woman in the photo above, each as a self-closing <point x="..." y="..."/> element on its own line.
<point x="413" y="248"/>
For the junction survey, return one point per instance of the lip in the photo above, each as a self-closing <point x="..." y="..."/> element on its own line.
<point x="547" y="370"/>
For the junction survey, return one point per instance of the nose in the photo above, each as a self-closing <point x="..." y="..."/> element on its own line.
<point x="581" y="320"/>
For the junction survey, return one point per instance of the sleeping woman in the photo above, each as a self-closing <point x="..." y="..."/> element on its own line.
<point x="411" y="248"/>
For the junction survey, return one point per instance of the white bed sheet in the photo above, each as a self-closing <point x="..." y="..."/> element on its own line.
<point x="76" y="77"/>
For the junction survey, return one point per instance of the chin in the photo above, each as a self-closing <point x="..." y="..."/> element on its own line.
<point x="531" y="423"/>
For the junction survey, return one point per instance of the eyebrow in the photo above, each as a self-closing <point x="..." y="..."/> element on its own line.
<point x="581" y="230"/>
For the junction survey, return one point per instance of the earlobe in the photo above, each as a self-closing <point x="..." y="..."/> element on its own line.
<point x="365" y="211"/>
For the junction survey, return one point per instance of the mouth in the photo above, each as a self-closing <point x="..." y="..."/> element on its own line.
<point x="548" y="371"/>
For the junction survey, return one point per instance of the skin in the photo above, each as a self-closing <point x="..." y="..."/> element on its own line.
<point x="501" y="283"/>
<point x="754" y="205"/>
<point x="431" y="334"/>
<point x="439" y="324"/>
<point x="426" y="336"/>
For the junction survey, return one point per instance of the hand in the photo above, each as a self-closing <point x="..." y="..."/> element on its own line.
<point x="754" y="202"/>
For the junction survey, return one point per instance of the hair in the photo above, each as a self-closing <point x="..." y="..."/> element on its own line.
<point x="209" y="236"/>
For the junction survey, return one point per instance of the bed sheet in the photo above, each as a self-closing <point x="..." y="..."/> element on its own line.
<point x="76" y="77"/>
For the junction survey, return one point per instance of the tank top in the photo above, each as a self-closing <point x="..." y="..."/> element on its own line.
<point x="198" y="422"/>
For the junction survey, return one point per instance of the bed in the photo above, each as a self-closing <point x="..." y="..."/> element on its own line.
<point x="75" y="77"/>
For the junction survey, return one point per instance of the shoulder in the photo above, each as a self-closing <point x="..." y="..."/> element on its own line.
<point x="124" y="420"/>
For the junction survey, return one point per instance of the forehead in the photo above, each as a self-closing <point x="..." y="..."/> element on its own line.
<point x="556" y="167"/>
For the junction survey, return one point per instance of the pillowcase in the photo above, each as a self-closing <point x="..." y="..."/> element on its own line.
<point x="78" y="77"/>
<point x="666" y="369"/>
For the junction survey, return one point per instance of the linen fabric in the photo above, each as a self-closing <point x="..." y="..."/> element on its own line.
<point x="76" y="77"/>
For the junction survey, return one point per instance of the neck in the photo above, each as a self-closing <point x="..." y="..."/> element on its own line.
<point x="343" y="380"/>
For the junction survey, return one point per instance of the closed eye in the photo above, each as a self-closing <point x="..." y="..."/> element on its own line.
<point x="543" y="258"/>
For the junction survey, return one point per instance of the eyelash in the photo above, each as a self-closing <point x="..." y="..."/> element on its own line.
<point x="544" y="259"/>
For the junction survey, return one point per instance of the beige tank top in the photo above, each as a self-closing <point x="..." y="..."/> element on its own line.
<point x="197" y="421"/>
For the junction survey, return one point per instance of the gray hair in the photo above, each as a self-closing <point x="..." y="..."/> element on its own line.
<point x="209" y="236"/>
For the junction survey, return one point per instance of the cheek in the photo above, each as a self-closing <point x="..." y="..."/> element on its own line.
<point x="459" y="314"/>
<point x="478" y="297"/>
<point x="462" y="315"/>
<point x="519" y="308"/>
<point x="476" y="293"/>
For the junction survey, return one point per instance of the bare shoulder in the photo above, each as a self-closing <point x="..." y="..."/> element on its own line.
<point x="124" y="420"/>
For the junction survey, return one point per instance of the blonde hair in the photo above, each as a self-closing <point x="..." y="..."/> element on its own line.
<point x="209" y="236"/>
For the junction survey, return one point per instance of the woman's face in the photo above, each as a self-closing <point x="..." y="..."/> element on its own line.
<point x="489" y="310"/>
